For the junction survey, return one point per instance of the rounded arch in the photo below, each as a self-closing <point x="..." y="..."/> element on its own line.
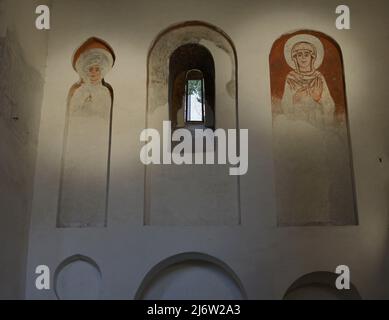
<point x="319" y="285"/>
<point x="92" y="42"/>
<point x="158" y="111"/>
<point x="190" y="258"/>
<point x="193" y="32"/>
<point x="185" y="59"/>
<point x="292" y="77"/>
<point x="67" y="279"/>
<point x="191" y="24"/>
<point x="88" y="127"/>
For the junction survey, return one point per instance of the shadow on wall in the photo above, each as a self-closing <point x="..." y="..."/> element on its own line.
<point x="21" y="90"/>
<point x="319" y="286"/>
<point x="387" y="198"/>
<point x="386" y="261"/>
<point x="191" y="276"/>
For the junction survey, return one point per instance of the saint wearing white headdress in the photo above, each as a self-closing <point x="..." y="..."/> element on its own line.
<point x="84" y="181"/>
<point x="90" y="94"/>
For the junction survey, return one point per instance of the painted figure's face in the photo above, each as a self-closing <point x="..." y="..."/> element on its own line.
<point x="304" y="58"/>
<point x="94" y="74"/>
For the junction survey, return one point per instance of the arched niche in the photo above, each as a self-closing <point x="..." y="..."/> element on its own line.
<point x="191" y="60"/>
<point x="319" y="285"/>
<point x="83" y="192"/>
<point x="191" y="276"/>
<point x="210" y="196"/>
<point x="312" y="150"/>
<point x="78" y="278"/>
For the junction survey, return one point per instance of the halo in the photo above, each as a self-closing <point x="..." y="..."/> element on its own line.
<point x="91" y="43"/>
<point x="304" y="38"/>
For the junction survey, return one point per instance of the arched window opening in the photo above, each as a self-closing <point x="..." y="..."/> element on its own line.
<point x="194" y="97"/>
<point x="192" y="87"/>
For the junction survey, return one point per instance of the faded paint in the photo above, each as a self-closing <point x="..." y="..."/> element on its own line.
<point x="314" y="184"/>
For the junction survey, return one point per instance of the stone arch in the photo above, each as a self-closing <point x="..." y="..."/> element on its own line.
<point x="172" y="271"/>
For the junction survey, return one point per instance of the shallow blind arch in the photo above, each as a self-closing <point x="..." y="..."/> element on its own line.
<point x="312" y="152"/>
<point x="215" y="279"/>
<point x="87" y="140"/>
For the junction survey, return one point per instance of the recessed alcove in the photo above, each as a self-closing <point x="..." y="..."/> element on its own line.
<point x="320" y="285"/>
<point x="192" y="78"/>
<point x="78" y="278"/>
<point x="314" y="178"/>
<point x="191" y="276"/>
<point x="191" y="194"/>
<point x="83" y="192"/>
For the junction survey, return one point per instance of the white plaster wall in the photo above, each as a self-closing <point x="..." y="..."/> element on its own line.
<point x="267" y="259"/>
<point x="18" y="138"/>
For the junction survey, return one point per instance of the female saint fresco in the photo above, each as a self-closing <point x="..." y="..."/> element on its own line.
<point x="84" y="179"/>
<point x="311" y="147"/>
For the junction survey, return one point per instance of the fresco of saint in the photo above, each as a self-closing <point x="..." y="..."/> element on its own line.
<point x="312" y="156"/>
<point x="306" y="94"/>
<point x="84" y="181"/>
